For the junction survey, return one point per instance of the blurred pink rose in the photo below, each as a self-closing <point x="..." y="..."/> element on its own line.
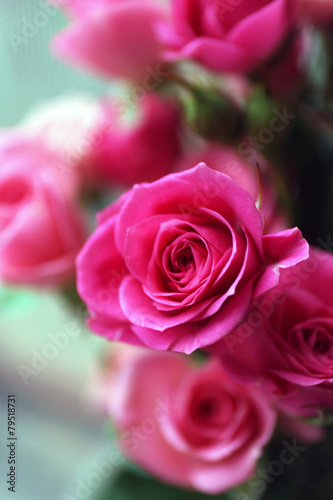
<point x="228" y="36"/>
<point x="301" y="429"/>
<point x="228" y="161"/>
<point x="286" y="74"/>
<point x="143" y="149"/>
<point x="175" y="264"/>
<point x="102" y="382"/>
<point x="112" y="38"/>
<point x="79" y="9"/>
<point x="70" y="127"/>
<point x="287" y="339"/>
<point x="319" y="11"/>
<point x="308" y="402"/>
<point x="190" y="426"/>
<point x="104" y="141"/>
<point x="41" y="228"/>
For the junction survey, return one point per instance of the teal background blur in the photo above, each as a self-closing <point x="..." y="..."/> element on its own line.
<point x="57" y="433"/>
<point x="28" y="73"/>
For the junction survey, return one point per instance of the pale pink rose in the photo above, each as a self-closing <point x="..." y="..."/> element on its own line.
<point x="258" y="183"/>
<point x="41" y="227"/>
<point x="105" y="141"/>
<point x="228" y="36"/>
<point x="79" y="9"/>
<point x="286" y="341"/>
<point x="189" y="425"/>
<point x="112" y="38"/>
<point x="175" y="264"/>
<point x="102" y="381"/>
<point x="142" y="149"/>
<point x="320" y="12"/>
<point x="70" y="126"/>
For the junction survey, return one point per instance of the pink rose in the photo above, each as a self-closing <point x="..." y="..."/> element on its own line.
<point x="301" y="429"/>
<point x="228" y="161"/>
<point x="175" y="264"/>
<point x="78" y="9"/>
<point x="70" y="127"/>
<point x="286" y="74"/>
<point x="41" y="228"/>
<point x="228" y="36"/>
<point x="293" y="326"/>
<point x="191" y="426"/>
<point x="105" y="141"/>
<point x="307" y="402"/>
<point x="111" y="37"/>
<point x="143" y="150"/>
<point x="319" y="11"/>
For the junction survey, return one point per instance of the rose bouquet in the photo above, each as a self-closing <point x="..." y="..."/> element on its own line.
<point x="208" y="271"/>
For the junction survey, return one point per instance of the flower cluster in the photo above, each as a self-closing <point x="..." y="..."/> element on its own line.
<point x="197" y="257"/>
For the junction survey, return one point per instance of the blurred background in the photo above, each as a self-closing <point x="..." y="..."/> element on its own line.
<point x="54" y="428"/>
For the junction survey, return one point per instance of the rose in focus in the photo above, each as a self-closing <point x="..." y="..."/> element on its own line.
<point x="258" y="181"/>
<point x="175" y="264"/>
<point x="41" y="226"/>
<point x="191" y="426"/>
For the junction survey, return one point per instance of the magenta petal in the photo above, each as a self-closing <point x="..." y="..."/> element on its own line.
<point x="219" y="55"/>
<point x="316" y="275"/>
<point x="213" y="479"/>
<point x="140" y="310"/>
<point x="283" y="250"/>
<point x="299" y="378"/>
<point x="191" y="336"/>
<point x="185" y="194"/>
<point x="100" y="271"/>
<point x="147" y="200"/>
<point x="262" y="32"/>
<point x="140" y="240"/>
<point x="222" y="194"/>
<point x="116" y="331"/>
